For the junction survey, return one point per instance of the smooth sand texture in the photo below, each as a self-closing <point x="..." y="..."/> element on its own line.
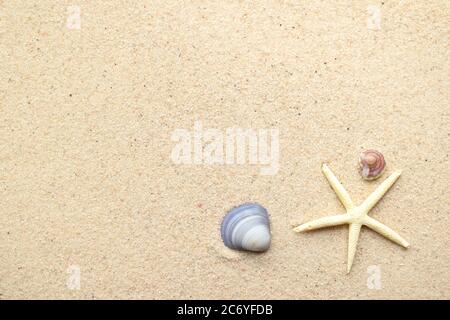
<point x="86" y="118"/>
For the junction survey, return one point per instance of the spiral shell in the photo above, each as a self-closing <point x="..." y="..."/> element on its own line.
<point x="246" y="227"/>
<point x="372" y="164"/>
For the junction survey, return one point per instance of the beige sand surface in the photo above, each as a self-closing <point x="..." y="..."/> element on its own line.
<point x="86" y="117"/>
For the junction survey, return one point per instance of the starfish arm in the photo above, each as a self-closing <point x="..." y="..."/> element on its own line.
<point x="353" y="235"/>
<point x="379" y="192"/>
<point x="385" y="231"/>
<point x="323" y="222"/>
<point x="338" y="187"/>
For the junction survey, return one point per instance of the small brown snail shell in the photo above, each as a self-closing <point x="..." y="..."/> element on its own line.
<point x="372" y="164"/>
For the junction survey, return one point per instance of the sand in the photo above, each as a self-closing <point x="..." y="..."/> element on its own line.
<point x="94" y="207"/>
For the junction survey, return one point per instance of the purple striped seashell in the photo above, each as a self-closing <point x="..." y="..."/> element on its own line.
<point x="246" y="227"/>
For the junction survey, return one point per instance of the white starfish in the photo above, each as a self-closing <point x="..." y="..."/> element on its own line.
<point x="356" y="216"/>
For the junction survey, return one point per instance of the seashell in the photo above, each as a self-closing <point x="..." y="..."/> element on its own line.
<point x="246" y="227"/>
<point x="372" y="164"/>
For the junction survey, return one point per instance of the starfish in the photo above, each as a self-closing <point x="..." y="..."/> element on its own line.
<point x="356" y="216"/>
